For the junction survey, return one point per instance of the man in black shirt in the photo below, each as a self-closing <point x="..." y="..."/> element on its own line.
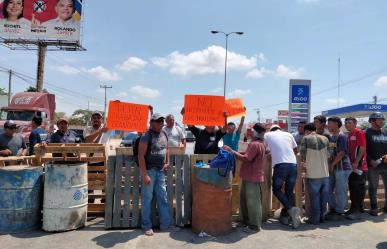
<point x="207" y="139"/>
<point x="376" y="138"/>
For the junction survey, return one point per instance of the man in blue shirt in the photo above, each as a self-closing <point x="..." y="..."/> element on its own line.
<point x="231" y="138"/>
<point x="339" y="169"/>
<point x="37" y="135"/>
<point x="63" y="134"/>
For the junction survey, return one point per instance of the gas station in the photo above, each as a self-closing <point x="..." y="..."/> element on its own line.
<point x="356" y="111"/>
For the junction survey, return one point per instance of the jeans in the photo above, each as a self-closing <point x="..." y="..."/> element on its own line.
<point x="357" y="190"/>
<point x="318" y="197"/>
<point x="373" y="182"/>
<point x="285" y="173"/>
<point x="250" y="204"/>
<point x="157" y="187"/>
<point x="338" y="189"/>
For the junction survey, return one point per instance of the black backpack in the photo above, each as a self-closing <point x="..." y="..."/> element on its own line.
<point x="137" y="144"/>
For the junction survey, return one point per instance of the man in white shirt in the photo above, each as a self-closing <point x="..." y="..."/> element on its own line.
<point x="283" y="150"/>
<point x="176" y="134"/>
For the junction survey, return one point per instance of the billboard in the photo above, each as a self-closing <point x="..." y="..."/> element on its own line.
<point x="299" y="103"/>
<point x="33" y="20"/>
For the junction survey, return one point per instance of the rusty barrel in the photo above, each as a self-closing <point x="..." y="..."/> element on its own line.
<point x="65" y="196"/>
<point x="212" y="204"/>
<point x="20" y="198"/>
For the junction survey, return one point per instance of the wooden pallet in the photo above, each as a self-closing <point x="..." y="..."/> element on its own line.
<point x="86" y="152"/>
<point x="123" y="192"/>
<point x="17" y="160"/>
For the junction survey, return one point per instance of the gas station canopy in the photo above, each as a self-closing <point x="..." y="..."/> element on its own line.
<point x="356" y="111"/>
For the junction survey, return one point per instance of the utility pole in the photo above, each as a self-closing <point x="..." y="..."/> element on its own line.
<point x="40" y="72"/>
<point x="375" y="99"/>
<point x="88" y="105"/>
<point x="104" y="112"/>
<point x="9" y="86"/>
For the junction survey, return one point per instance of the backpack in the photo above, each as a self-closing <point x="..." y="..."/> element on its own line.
<point x="224" y="161"/>
<point x="137" y="144"/>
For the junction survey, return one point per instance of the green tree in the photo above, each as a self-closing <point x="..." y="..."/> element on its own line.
<point x="33" y="89"/>
<point x="3" y="92"/>
<point x="80" y="117"/>
<point x="59" y="115"/>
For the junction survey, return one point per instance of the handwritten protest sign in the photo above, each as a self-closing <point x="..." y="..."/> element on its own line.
<point x="203" y="110"/>
<point x="235" y="108"/>
<point x="127" y="116"/>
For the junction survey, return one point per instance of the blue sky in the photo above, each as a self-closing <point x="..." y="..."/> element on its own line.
<point x="155" y="52"/>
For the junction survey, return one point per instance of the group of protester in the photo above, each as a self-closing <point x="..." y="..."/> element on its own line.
<point x="333" y="161"/>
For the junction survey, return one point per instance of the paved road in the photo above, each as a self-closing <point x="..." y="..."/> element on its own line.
<point x="366" y="234"/>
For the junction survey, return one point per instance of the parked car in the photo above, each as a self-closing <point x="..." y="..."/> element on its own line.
<point x="189" y="136"/>
<point x="128" y="140"/>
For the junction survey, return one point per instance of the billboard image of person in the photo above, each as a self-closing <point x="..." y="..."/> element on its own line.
<point x="13" y="21"/>
<point x="40" y="19"/>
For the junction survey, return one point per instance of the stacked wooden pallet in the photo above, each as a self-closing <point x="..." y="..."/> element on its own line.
<point x="94" y="155"/>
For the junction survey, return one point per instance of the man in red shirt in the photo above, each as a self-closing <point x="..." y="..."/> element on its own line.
<point x="251" y="172"/>
<point x="357" y="155"/>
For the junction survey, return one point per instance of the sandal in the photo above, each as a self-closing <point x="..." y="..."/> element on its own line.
<point x="149" y="232"/>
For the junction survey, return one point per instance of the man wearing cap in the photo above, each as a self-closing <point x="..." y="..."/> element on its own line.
<point x="63" y="134"/>
<point x="95" y="132"/>
<point x="252" y="175"/>
<point x="376" y="139"/>
<point x="12" y="143"/>
<point x="153" y="159"/>
<point x="283" y="150"/>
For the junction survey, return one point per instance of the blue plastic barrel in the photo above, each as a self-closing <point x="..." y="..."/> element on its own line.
<point x="20" y="198"/>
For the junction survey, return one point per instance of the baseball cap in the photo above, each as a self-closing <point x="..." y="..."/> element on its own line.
<point x="96" y="114"/>
<point x="60" y="120"/>
<point x="10" y="124"/>
<point x="157" y="116"/>
<point x="274" y="127"/>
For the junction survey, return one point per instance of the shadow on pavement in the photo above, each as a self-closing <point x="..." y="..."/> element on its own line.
<point x="382" y="245"/>
<point x="190" y="237"/>
<point x="111" y="239"/>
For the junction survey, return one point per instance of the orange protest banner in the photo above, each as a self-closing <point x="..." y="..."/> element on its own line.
<point x="127" y="116"/>
<point x="203" y="110"/>
<point x="235" y="108"/>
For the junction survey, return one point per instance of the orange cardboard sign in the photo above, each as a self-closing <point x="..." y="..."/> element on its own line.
<point x="127" y="116"/>
<point x="235" y="107"/>
<point x="203" y="110"/>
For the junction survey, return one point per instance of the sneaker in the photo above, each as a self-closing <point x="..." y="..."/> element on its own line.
<point x="311" y="221"/>
<point x="374" y="212"/>
<point x="251" y="229"/>
<point x="334" y="216"/>
<point x="148" y="232"/>
<point x="284" y="220"/>
<point x="354" y="216"/>
<point x="294" y="214"/>
<point x="349" y="211"/>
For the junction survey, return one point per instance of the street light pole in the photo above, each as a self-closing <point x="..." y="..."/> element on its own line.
<point x="225" y="60"/>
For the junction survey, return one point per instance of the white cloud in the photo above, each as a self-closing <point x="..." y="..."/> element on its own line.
<point x="145" y="91"/>
<point x="258" y="73"/>
<point x="381" y="82"/>
<point x="288" y="72"/>
<point x="103" y="74"/>
<point x="206" y="61"/>
<point x="333" y="101"/>
<point x="122" y="94"/>
<point x="239" y="92"/>
<point x="216" y="90"/>
<point x="132" y="64"/>
<point x="68" y="70"/>
<point x="261" y="57"/>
